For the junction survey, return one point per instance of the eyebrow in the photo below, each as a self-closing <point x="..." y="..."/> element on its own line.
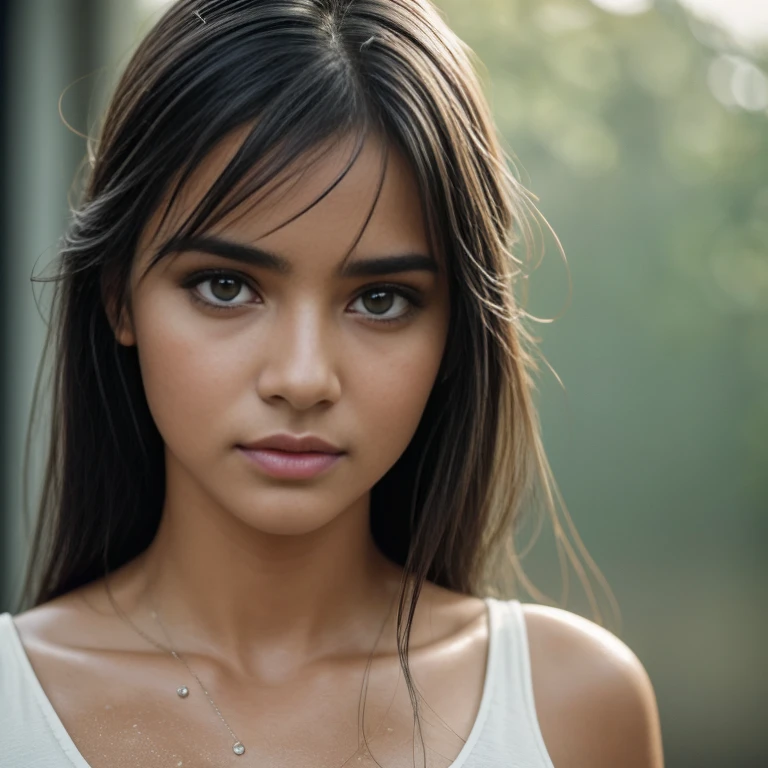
<point x="259" y="257"/>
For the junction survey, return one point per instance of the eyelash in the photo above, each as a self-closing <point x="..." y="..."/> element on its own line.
<point x="413" y="297"/>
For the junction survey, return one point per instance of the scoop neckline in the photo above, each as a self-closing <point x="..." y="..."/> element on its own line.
<point x="70" y="750"/>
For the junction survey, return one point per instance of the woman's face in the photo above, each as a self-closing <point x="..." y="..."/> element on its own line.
<point x="249" y="351"/>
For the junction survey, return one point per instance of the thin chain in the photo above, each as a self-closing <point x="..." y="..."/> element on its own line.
<point x="169" y="649"/>
<point x="175" y="655"/>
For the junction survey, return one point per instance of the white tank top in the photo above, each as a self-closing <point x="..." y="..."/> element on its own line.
<point x="505" y="734"/>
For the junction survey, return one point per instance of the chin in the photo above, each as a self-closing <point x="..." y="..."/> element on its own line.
<point x="285" y="519"/>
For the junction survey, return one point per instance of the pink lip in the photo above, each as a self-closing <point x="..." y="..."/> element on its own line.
<point x="290" y="465"/>
<point x="293" y="443"/>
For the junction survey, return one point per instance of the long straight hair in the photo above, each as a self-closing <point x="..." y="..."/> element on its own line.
<point x="299" y="76"/>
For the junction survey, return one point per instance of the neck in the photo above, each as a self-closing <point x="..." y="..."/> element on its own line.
<point x="219" y="584"/>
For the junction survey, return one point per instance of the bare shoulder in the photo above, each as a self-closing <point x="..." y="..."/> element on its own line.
<point x="594" y="700"/>
<point x="77" y="621"/>
<point x="50" y="623"/>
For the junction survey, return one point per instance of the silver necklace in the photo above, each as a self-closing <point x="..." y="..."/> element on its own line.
<point x="238" y="747"/>
<point x="183" y="691"/>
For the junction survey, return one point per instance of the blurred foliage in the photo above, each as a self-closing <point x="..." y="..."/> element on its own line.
<point x="674" y="108"/>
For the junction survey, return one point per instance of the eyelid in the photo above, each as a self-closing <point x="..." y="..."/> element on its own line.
<point x="201" y="275"/>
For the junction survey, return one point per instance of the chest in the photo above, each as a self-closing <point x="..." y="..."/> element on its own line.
<point x="125" y="712"/>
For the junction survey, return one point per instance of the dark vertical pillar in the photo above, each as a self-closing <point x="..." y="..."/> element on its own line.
<point x="4" y="319"/>
<point x="47" y="48"/>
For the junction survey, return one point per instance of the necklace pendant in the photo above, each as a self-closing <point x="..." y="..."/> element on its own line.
<point x="183" y="692"/>
<point x="238" y="748"/>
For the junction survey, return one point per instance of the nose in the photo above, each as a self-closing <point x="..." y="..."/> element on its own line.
<point x="298" y="365"/>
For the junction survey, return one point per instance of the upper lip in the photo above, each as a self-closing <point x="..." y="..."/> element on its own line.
<point x="294" y="443"/>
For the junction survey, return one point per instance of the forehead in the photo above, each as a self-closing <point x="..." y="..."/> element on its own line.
<point x="327" y="223"/>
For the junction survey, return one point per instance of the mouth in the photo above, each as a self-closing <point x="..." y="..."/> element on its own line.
<point x="290" y="465"/>
<point x="289" y="443"/>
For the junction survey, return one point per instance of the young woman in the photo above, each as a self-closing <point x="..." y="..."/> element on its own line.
<point x="293" y="425"/>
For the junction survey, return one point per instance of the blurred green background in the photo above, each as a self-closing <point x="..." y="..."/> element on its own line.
<point x="643" y="129"/>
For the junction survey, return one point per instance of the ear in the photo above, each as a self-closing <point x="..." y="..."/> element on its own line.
<point x="123" y="330"/>
<point x="119" y="318"/>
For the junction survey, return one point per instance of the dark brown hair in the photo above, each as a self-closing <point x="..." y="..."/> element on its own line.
<point x="301" y="74"/>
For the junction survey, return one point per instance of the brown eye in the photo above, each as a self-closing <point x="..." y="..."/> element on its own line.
<point x="225" y="288"/>
<point x="221" y="291"/>
<point x="378" y="302"/>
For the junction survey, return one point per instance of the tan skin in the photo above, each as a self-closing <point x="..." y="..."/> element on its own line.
<point x="273" y="590"/>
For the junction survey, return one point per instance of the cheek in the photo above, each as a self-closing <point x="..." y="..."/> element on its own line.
<point x="188" y="377"/>
<point x="390" y="394"/>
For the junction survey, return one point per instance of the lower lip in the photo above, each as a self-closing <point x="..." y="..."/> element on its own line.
<point x="292" y="466"/>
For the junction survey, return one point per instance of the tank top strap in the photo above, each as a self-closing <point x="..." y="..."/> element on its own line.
<point x="512" y="685"/>
<point x="512" y="714"/>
